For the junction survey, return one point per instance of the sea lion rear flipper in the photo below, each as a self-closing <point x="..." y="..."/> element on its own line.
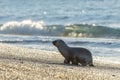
<point x="91" y="65"/>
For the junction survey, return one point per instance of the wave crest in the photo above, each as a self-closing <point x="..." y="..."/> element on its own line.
<point x="26" y="27"/>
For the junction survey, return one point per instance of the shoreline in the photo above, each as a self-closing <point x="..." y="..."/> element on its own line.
<point x="31" y="64"/>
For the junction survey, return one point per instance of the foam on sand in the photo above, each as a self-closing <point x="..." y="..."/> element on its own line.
<point x="22" y="63"/>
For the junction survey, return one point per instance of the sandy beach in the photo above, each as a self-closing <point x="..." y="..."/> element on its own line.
<point x="18" y="63"/>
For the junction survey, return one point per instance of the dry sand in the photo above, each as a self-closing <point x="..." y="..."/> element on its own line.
<point x="29" y="64"/>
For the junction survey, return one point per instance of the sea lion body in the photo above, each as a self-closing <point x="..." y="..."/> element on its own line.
<point x="74" y="54"/>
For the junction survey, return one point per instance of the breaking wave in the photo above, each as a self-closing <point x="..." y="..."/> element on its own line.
<point x="29" y="27"/>
<point x="26" y="27"/>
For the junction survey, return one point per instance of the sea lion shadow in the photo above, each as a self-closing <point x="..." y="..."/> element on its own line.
<point x="71" y="65"/>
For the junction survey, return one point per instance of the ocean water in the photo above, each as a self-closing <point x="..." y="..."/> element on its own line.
<point x="93" y="24"/>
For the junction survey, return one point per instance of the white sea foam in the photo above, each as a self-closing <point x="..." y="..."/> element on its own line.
<point x="27" y="27"/>
<point x="114" y="25"/>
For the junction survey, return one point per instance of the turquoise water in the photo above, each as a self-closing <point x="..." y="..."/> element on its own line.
<point x="103" y="12"/>
<point x="93" y="24"/>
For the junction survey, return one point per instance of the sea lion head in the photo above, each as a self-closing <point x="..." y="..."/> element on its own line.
<point x="54" y="42"/>
<point x="58" y="42"/>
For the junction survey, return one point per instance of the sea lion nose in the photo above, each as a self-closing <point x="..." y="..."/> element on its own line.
<point x="54" y="42"/>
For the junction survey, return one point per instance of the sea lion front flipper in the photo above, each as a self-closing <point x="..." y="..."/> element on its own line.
<point x="66" y="61"/>
<point x="75" y="62"/>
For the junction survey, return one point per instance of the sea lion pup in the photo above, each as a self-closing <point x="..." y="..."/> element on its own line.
<point x="74" y="54"/>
